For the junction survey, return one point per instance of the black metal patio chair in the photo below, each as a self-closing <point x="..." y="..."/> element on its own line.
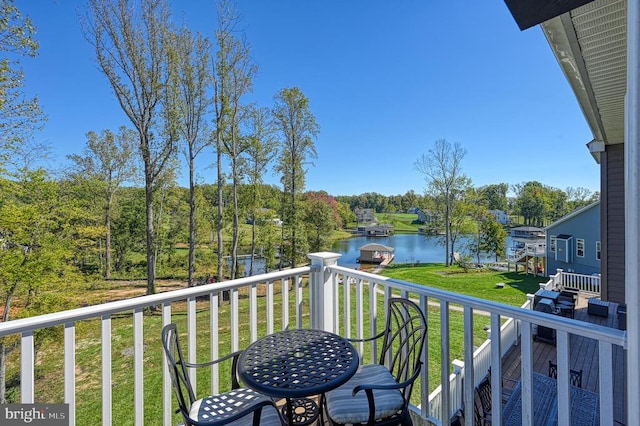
<point x="482" y="402"/>
<point x="239" y="406"/>
<point x="575" y="376"/>
<point x="378" y="394"/>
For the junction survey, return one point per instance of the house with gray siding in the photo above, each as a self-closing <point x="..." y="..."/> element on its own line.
<point x="574" y="243"/>
<point x="426" y="216"/>
<point x="501" y="216"/>
<point x="364" y="215"/>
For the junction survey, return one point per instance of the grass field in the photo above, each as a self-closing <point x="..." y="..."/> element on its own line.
<point x="478" y="283"/>
<point x="402" y="222"/>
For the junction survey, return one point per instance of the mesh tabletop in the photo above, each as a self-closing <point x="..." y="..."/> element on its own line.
<point x="585" y="405"/>
<point x="298" y="363"/>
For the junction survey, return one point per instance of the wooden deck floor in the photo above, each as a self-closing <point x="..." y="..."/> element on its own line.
<point x="584" y="356"/>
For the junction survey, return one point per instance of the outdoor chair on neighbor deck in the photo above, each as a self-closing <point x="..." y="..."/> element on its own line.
<point x="482" y="402"/>
<point x="239" y="406"/>
<point x="378" y="394"/>
<point x="575" y="376"/>
<point x="567" y="296"/>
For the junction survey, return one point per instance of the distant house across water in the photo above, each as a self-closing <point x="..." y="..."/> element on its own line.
<point x="501" y="216"/>
<point x="365" y="215"/>
<point x="426" y="216"/>
<point x="378" y="230"/>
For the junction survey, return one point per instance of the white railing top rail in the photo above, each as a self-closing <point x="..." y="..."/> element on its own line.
<point x="596" y="331"/>
<point x="95" y="311"/>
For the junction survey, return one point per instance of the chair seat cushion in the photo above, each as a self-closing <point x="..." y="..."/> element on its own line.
<point x="215" y="409"/>
<point x="343" y="407"/>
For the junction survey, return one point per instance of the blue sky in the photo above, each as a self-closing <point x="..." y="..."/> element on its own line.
<point x="385" y="80"/>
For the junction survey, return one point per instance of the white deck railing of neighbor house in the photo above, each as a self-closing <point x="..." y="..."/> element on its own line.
<point x="338" y="299"/>
<point x="575" y="282"/>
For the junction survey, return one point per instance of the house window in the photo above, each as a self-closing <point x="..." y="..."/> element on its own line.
<point x="552" y="242"/>
<point x="579" y="247"/>
<point x="598" y="249"/>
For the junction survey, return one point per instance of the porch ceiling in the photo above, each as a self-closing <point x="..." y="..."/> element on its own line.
<point x="590" y="44"/>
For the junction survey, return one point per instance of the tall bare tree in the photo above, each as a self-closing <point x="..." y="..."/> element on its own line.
<point x="297" y="127"/>
<point x="233" y="78"/>
<point x="108" y="159"/>
<point x="131" y="40"/>
<point x="442" y="167"/>
<point x="191" y="78"/>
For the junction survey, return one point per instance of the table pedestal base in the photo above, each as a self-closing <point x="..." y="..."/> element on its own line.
<point x="305" y="411"/>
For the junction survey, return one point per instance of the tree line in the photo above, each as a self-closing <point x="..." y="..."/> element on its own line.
<point x="183" y="93"/>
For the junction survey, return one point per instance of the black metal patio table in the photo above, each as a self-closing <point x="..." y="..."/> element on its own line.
<point x="585" y="407"/>
<point x="295" y="364"/>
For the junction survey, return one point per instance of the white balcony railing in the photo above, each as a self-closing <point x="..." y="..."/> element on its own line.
<point x="337" y="299"/>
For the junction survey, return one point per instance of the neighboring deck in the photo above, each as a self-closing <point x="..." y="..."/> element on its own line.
<point x="584" y="356"/>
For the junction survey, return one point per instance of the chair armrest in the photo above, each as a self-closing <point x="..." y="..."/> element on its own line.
<point x="235" y="383"/>
<point x="366" y="339"/>
<point x="370" y="387"/>
<point x="234" y="355"/>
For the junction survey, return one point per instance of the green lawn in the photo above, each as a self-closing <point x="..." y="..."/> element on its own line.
<point x="402" y="222"/>
<point x="479" y="283"/>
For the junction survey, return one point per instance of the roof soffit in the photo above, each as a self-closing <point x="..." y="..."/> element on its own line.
<point x="590" y="46"/>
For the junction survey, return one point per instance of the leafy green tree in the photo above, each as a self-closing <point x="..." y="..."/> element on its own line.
<point x="19" y="116"/>
<point x="493" y="237"/>
<point x="442" y="167"/>
<point x="128" y="228"/>
<point x="297" y="127"/>
<point x="322" y="218"/>
<point x="190" y="83"/>
<point x="347" y="216"/>
<point x="409" y="200"/>
<point x="132" y="41"/>
<point x="37" y="234"/>
<point x="171" y="222"/>
<point x="530" y="202"/>
<point x="490" y="236"/>
<point x="267" y="233"/>
<point x="108" y="161"/>
<point x="555" y="204"/>
<point x="495" y="196"/>
<point x="261" y="149"/>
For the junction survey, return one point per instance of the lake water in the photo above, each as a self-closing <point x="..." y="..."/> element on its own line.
<point x="409" y="248"/>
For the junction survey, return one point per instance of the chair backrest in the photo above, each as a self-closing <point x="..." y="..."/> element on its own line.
<point x="405" y="333"/>
<point x="575" y="376"/>
<point x="484" y="393"/>
<point x="178" y="371"/>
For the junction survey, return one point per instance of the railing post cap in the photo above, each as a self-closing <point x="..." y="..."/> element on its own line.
<point x="324" y="257"/>
<point x="458" y="366"/>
